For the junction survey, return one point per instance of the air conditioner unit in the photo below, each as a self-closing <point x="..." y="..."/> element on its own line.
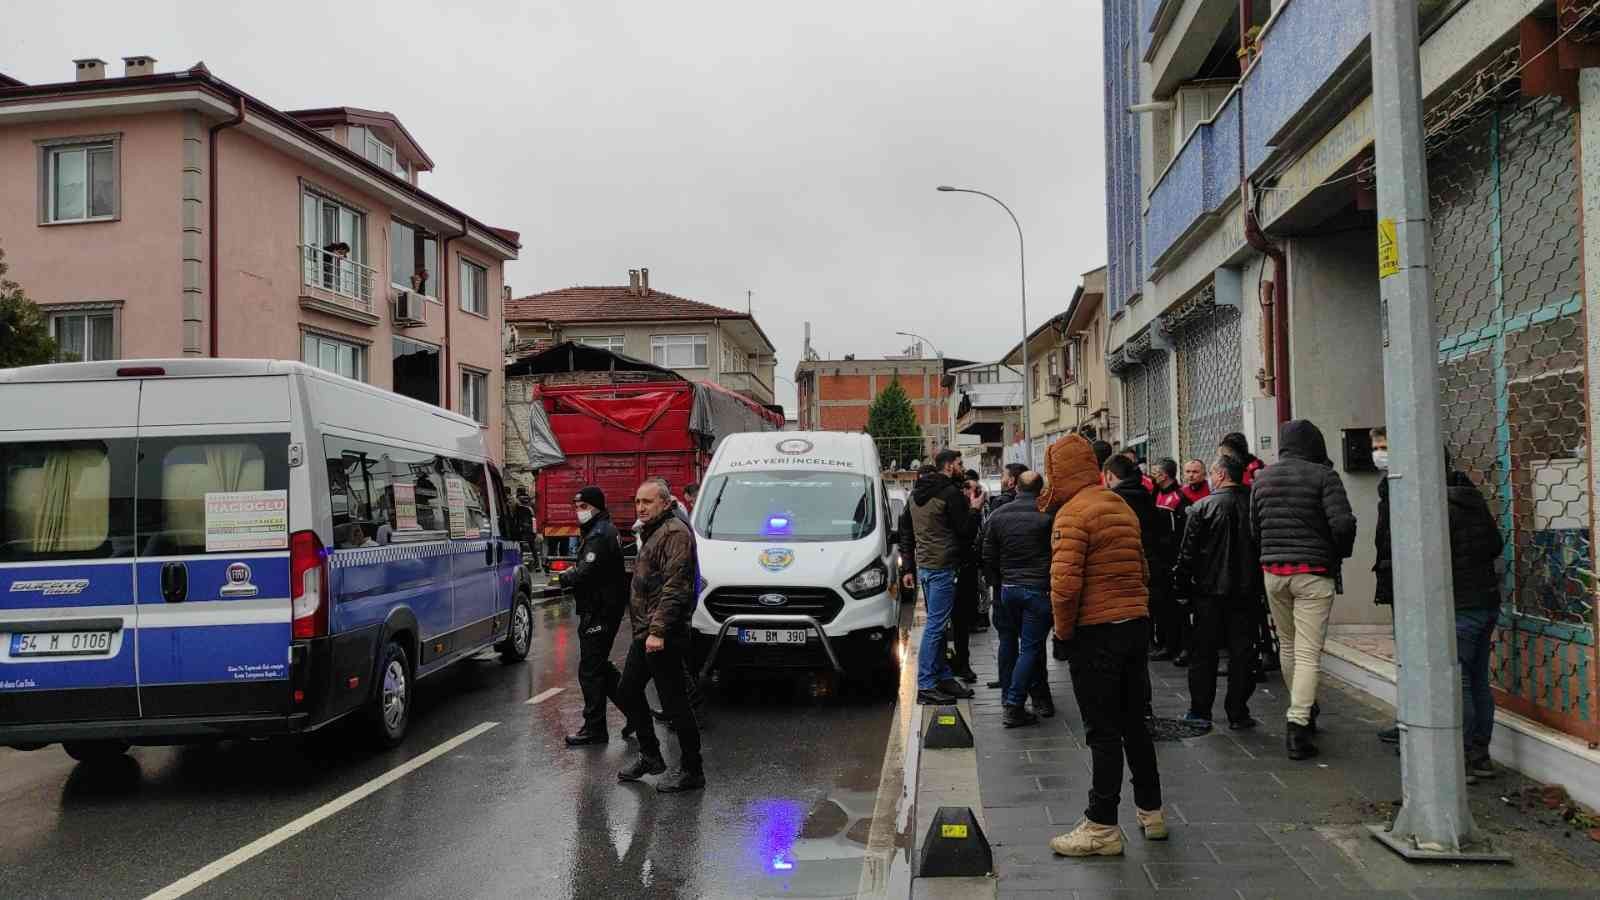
<point x="1055" y="386"/>
<point x="409" y="308"/>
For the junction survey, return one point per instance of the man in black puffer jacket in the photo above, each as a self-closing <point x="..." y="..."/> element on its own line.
<point x="1016" y="554"/>
<point x="1125" y="480"/>
<point x="1305" y="529"/>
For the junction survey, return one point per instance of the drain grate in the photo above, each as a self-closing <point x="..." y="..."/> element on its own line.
<point x="1171" y="729"/>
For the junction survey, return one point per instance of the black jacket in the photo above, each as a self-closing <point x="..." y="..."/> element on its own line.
<point x="597" y="580"/>
<point x="1298" y="508"/>
<point x="1016" y="544"/>
<point x="1475" y="544"/>
<point x="998" y="500"/>
<point x="1174" y="506"/>
<point x="1218" y="556"/>
<point x="1154" y="528"/>
<point x="939" y="525"/>
<point x="1382" y="566"/>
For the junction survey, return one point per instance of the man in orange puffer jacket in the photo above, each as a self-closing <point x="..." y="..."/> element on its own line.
<point x="1099" y="594"/>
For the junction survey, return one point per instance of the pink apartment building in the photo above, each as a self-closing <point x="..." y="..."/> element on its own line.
<point x="172" y="214"/>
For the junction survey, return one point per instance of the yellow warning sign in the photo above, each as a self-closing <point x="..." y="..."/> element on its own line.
<point x="1388" y="249"/>
<point x="947" y="720"/>
<point x="952" y="831"/>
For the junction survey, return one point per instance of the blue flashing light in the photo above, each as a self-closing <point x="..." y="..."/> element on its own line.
<point x="779" y="864"/>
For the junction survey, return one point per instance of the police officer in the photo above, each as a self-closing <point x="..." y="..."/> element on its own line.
<point x="600" y="588"/>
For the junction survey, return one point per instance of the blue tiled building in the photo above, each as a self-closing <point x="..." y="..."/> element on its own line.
<point x="1221" y="115"/>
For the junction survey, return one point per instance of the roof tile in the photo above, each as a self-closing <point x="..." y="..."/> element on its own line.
<point x="608" y="303"/>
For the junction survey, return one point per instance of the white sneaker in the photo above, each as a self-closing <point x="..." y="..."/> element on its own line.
<point x="1089" y="839"/>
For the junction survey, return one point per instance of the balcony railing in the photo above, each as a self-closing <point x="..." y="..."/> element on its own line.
<point x="747" y="383"/>
<point x="336" y="277"/>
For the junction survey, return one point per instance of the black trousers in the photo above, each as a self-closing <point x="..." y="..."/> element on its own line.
<point x="1222" y="622"/>
<point x="666" y="668"/>
<point x="1111" y="679"/>
<point x="963" y="616"/>
<point x="1165" y="611"/>
<point x="597" y="675"/>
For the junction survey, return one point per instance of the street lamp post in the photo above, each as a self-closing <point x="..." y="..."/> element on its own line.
<point x="940" y="354"/>
<point x="1022" y="258"/>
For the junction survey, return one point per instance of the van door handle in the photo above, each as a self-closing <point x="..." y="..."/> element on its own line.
<point x="488" y="551"/>
<point x="174" y="582"/>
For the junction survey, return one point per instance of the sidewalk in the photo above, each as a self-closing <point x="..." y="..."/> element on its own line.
<point x="1245" y="820"/>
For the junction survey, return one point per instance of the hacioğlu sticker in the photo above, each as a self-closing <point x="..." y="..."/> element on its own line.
<point x="247" y="520"/>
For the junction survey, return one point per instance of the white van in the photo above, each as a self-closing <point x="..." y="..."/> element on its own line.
<point x="796" y="553"/>
<point x="195" y="549"/>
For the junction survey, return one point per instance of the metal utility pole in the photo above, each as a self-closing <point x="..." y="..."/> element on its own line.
<point x="1434" y="821"/>
<point x="939" y="354"/>
<point x="1022" y="260"/>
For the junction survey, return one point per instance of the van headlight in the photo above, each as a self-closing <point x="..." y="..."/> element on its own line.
<point x="868" y="581"/>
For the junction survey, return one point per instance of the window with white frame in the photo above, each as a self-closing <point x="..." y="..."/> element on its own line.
<point x="79" y="181"/>
<point x="474" y="288"/>
<point x="335" y="249"/>
<point x="1054" y="367"/>
<point x="366" y="142"/>
<point x="84" y="336"/>
<point x="616" y="343"/>
<point x="734" y="359"/>
<point x="474" y="395"/>
<point x="678" y="351"/>
<point x="413" y="258"/>
<point x="339" y="357"/>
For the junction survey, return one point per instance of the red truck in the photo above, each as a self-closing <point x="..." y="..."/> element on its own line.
<point x="615" y="436"/>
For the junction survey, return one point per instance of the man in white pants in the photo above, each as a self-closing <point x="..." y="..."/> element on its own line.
<point x="1303" y="523"/>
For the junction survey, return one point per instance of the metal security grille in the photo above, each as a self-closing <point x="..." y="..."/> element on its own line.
<point x="1147" y="404"/>
<point x="1210" y="392"/>
<point x="1513" y="370"/>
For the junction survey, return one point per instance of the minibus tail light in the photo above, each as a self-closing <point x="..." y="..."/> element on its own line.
<point x="140" y="371"/>
<point x="308" y="582"/>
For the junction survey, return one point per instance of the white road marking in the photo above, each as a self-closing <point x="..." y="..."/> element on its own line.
<point x="267" y="842"/>
<point x="542" y="696"/>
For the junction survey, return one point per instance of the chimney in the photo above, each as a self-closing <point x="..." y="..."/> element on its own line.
<point x="135" y="66"/>
<point x="505" y="293"/>
<point x="90" y="69"/>
<point x="644" y="282"/>
<point x="633" y="281"/>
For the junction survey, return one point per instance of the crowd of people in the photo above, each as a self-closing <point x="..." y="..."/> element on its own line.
<point x="1119" y="566"/>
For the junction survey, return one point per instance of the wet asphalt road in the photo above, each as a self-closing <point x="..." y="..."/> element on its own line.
<point x="510" y="812"/>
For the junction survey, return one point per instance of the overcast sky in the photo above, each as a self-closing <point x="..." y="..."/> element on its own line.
<point x="791" y="150"/>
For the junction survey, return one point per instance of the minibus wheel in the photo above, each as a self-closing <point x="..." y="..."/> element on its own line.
<point x="95" y="751"/>
<point x="390" y="709"/>
<point x="519" y="639"/>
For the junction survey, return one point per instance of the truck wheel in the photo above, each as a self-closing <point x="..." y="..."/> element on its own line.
<point x="520" y="638"/>
<point x="95" y="751"/>
<point x="389" y="711"/>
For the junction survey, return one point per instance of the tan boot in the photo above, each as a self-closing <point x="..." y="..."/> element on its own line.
<point x="1089" y="839"/>
<point x="1154" y="824"/>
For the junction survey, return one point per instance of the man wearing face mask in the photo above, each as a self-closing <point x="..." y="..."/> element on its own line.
<point x="599" y="587"/>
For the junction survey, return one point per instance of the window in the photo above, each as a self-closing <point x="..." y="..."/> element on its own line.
<point x="678" y="351"/>
<point x="787" y="506"/>
<point x="84" y="336"/>
<point x="474" y="395"/>
<point x="381" y="494"/>
<point x="413" y="258"/>
<point x="66" y="499"/>
<point x="416" y="370"/>
<point x="474" y="522"/>
<point x="985" y="376"/>
<point x="175" y="474"/>
<point x="366" y="142"/>
<point x="474" y="288"/>
<point x="335" y="251"/>
<point x="79" y="181"/>
<point x="734" y="359"/>
<point x="1054" y="362"/>
<point x="1035" y="381"/>
<point x="1070" y="358"/>
<point x="613" y="342"/>
<point x="340" y="357"/>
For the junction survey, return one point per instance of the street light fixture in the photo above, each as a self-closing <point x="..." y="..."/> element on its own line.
<point x="940" y="354"/>
<point x="1022" y="257"/>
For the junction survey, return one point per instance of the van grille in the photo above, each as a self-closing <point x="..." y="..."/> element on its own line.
<point x="819" y="603"/>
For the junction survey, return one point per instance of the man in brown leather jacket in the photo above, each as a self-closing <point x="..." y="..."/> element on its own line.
<point x="661" y="600"/>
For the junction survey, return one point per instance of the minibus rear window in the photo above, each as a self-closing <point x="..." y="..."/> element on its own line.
<point x="66" y="500"/>
<point x="175" y="474"/>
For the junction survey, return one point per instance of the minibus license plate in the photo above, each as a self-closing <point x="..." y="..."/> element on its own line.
<point x="61" y="643"/>
<point x="772" y="635"/>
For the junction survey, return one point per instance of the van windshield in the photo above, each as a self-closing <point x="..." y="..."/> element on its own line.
<point x="786" y="506"/>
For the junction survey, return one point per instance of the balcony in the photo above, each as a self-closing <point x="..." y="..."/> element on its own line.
<point x="748" y="384"/>
<point x="335" y="284"/>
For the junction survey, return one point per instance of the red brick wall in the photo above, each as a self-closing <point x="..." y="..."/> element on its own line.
<point x="844" y="418"/>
